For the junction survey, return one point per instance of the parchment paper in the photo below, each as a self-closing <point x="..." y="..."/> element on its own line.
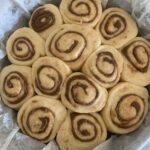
<point x="15" y="14"/>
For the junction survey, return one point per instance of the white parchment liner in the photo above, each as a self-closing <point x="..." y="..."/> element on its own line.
<point x="15" y="14"/>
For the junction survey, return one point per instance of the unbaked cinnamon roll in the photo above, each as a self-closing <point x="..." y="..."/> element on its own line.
<point x="16" y="85"/>
<point x="136" y="56"/>
<point x="81" y="12"/>
<point x="104" y="66"/>
<point x="126" y="108"/>
<point x="81" y="94"/>
<point x="45" y="19"/>
<point x="72" y="44"/>
<point x="41" y="117"/>
<point x="24" y="46"/>
<point x="116" y="27"/>
<point x="81" y="131"/>
<point x="48" y="75"/>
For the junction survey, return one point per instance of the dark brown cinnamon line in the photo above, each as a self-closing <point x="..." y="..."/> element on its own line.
<point x="108" y="57"/>
<point x="17" y="47"/>
<point x="116" y="25"/>
<point x="124" y="51"/>
<point x="57" y="82"/>
<point x="18" y="97"/>
<point x="70" y="49"/>
<point x="45" y="121"/>
<point x="135" y="105"/>
<point x="70" y="90"/>
<point x="84" y="132"/>
<point x="41" y="14"/>
<point x="82" y="14"/>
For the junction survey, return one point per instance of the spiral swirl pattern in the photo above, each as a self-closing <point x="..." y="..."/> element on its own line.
<point x="116" y="25"/>
<point x="45" y="19"/>
<point x="112" y="26"/>
<point x="41" y="121"/>
<point x="22" y="49"/>
<point x="38" y="122"/>
<point x="82" y="132"/>
<point x="81" y="93"/>
<point x="136" y="56"/>
<point x="44" y="122"/>
<point x="105" y="66"/>
<point x="75" y="41"/>
<point x="24" y="46"/>
<point x="48" y="76"/>
<point x="15" y="87"/>
<point x="72" y="44"/>
<point x="126" y="109"/>
<point x="80" y="82"/>
<point x="106" y="57"/>
<point x="86" y="130"/>
<point x="137" y="53"/>
<point x="135" y="106"/>
<point x="42" y="20"/>
<point x="81" y="12"/>
<point x="56" y="79"/>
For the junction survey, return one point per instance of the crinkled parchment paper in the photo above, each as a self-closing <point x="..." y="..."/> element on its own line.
<point x="15" y="14"/>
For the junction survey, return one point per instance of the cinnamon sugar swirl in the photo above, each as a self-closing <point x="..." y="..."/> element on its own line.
<point x="81" y="131"/>
<point x="48" y="75"/>
<point x="25" y="46"/>
<point x="72" y="44"/>
<point x="81" y="12"/>
<point x="116" y="27"/>
<point x="126" y="108"/>
<point x="104" y="66"/>
<point x="136" y="56"/>
<point x="45" y="19"/>
<point x="16" y="85"/>
<point x="41" y="117"/>
<point x="81" y="94"/>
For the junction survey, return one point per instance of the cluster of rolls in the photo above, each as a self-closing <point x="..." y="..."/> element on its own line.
<point x="76" y="73"/>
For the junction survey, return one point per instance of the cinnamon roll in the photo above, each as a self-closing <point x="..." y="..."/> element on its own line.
<point x="41" y="117"/>
<point x="45" y="19"/>
<point x="72" y="44"/>
<point x="81" y="131"/>
<point x="25" y="46"/>
<point x="136" y="56"/>
<point x="126" y="108"/>
<point x="104" y="66"/>
<point x="116" y="27"/>
<point x="16" y="85"/>
<point x="48" y="75"/>
<point x="81" y="94"/>
<point x="81" y="12"/>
